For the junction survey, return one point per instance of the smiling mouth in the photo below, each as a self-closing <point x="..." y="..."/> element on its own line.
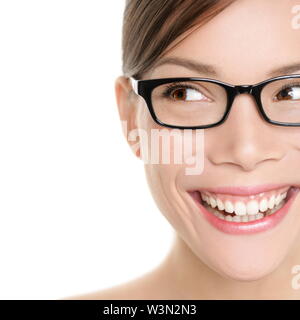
<point x="244" y="209"/>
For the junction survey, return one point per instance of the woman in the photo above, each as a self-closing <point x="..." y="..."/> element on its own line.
<point x="236" y="218"/>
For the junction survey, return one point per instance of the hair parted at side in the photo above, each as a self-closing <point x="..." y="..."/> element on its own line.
<point x="151" y="26"/>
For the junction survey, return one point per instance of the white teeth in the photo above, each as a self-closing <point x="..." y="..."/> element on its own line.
<point x="244" y="218"/>
<point x="244" y="212"/>
<point x="228" y="218"/>
<point x="228" y="206"/>
<point x="263" y="205"/>
<point x="280" y="205"/>
<point x="240" y="208"/>
<point x="221" y="216"/>
<point x="259" y="216"/>
<point x="236" y="218"/>
<point x="213" y="202"/>
<point x="252" y="207"/>
<point x="220" y="204"/>
<point x="252" y="217"/>
<point x="278" y="199"/>
<point x="284" y="195"/>
<point x="272" y="202"/>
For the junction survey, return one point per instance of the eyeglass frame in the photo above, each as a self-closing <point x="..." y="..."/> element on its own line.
<point x="144" y="89"/>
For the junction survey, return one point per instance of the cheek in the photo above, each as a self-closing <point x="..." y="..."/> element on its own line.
<point x="166" y="179"/>
<point x="291" y="137"/>
<point x="172" y="151"/>
<point x="171" y="156"/>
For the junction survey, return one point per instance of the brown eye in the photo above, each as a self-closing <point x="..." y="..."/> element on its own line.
<point x="179" y="94"/>
<point x="187" y="94"/>
<point x="290" y="93"/>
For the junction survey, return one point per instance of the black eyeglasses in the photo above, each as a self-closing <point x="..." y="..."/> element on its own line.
<point x="197" y="103"/>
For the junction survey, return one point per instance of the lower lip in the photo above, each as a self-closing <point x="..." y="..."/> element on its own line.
<point x="255" y="226"/>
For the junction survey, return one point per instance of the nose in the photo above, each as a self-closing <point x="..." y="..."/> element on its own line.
<point x="245" y="139"/>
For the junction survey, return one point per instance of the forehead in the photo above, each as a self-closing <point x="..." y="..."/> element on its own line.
<point x="244" y="42"/>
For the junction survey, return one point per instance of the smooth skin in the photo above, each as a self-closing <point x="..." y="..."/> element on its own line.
<point x="250" y="41"/>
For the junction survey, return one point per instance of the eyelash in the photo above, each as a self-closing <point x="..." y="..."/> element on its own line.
<point x="177" y="85"/>
<point x="289" y="85"/>
<point x="171" y="87"/>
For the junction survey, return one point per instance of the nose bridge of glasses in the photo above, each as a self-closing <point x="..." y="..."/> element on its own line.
<point x="244" y="89"/>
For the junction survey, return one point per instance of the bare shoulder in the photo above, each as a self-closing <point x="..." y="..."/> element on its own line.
<point x="150" y="286"/>
<point x="122" y="291"/>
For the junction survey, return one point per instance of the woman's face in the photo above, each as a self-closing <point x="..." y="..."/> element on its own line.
<point x="245" y="158"/>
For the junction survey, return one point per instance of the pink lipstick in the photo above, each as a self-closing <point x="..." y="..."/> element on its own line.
<point x="212" y="202"/>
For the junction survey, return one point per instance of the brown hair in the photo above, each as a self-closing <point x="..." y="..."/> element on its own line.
<point x="151" y="26"/>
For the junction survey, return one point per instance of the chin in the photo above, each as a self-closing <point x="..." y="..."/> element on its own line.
<point x="246" y="273"/>
<point x="242" y="262"/>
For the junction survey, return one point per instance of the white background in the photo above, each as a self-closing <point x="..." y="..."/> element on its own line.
<point x="76" y="214"/>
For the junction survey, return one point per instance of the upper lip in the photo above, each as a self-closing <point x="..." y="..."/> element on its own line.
<point x="245" y="190"/>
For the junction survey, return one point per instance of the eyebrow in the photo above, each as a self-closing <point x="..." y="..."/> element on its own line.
<point x="287" y="69"/>
<point x="210" y="70"/>
<point x="189" y="64"/>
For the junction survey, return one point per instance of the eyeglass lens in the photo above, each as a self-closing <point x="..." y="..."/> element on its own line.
<point x="196" y="103"/>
